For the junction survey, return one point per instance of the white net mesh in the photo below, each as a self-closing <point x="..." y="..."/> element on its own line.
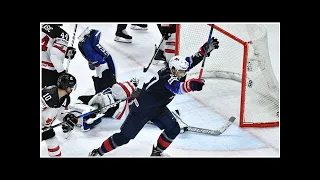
<point x="238" y="44"/>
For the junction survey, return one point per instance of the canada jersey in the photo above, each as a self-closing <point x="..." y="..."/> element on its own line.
<point x="50" y="98"/>
<point x="54" y="45"/>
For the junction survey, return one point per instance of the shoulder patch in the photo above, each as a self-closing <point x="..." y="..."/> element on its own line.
<point x="55" y="32"/>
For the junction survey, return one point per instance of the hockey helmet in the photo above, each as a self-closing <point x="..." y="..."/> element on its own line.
<point x="66" y="80"/>
<point x="178" y="63"/>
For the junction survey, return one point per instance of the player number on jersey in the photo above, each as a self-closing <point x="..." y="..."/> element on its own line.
<point x="45" y="41"/>
<point x="47" y="97"/>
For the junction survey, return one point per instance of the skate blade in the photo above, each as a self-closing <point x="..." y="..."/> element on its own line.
<point x="138" y="27"/>
<point x="120" y="39"/>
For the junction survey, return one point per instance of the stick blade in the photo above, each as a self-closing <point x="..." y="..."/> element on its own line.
<point x="145" y="69"/>
<point x="232" y="119"/>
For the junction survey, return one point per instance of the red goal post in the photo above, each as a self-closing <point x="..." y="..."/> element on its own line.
<point x="243" y="56"/>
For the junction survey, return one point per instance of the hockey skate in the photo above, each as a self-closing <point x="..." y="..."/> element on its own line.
<point x="139" y="26"/>
<point x="95" y="152"/>
<point x="123" y="37"/>
<point x="156" y="152"/>
<point x="159" y="58"/>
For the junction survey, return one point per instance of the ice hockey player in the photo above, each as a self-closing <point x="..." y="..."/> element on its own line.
<point x="100" y="60"/>
<point x="122" y="34"/>
<point x="54" y="50"/>
<point x="108" y="100"/>
<point x="168" y="46"/>
<point x="151" y="104"/>
<point x="54" y="105"/>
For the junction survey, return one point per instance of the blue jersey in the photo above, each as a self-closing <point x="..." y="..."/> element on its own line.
<point x="94" y="53"/>
<point x="159" y="92"/>
<point x="161" y="89"/>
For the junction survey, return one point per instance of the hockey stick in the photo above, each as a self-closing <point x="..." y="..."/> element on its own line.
<point x="87" y="114"/>
<point x="73" y="37"/>
<point x="202" y="130"/>
<point x="205" y="53"/>
<point x="145" y="69"/>
<point x="208" y="131"/>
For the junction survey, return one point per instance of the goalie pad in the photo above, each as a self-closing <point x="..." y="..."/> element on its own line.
<point x="78" y="109"/>
<point x="122" y="90"/>
<point x="101" y="100"/>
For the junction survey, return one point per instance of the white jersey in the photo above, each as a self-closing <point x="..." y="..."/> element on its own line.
<point x="52" y="107"/>
<point x="54" y="46"/>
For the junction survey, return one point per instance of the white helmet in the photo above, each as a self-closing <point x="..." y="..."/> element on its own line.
<point x="179" y="63"/>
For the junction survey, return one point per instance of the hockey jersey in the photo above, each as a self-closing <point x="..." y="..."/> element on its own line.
<point x="54" y="46"/>
<point x="52" y="106"/>
<point x="94" y="52"/>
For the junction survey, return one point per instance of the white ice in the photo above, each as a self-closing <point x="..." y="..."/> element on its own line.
<point x="201" y="109"/>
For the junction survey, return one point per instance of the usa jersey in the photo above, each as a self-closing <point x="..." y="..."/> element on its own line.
<point x="54" y="46"/>
<point x="159" y="92"/>
<point x="162" y="88"/>
<point x="94" y="52"/>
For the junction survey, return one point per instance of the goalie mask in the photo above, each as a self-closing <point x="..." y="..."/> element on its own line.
<point x="178" y="66"/>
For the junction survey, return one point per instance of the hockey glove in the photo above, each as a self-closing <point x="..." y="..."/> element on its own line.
<point x="91" y="66"/>
<point x="71" y="52"/>
<point x="214" y="44"/>
<point x="135" y="82"/>
<point x="166" y="35"/>
<point x="167" y="30"/>
<point x="195" y="84"/>
<point x="70" y="120"/>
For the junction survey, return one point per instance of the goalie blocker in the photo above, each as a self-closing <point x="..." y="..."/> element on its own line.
<point x="109" y="96"/>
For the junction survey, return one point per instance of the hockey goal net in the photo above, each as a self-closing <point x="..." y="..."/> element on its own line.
<point x="243" y="56"/>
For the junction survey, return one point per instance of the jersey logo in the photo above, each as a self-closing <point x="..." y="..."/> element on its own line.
<point x="105" y="52"/>
<point x="47" y="27"/>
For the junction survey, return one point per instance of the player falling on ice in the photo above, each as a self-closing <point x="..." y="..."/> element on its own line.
<point x="105" y="83"/>
<point x="151" y="103"/>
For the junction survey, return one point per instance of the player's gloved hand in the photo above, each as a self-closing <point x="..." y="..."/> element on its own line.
<point x="135" y="82"/>
<point x="194" y="84"/>
<point x="166" y="35"/>
<point x="91" y="66"/>
<point x="71" y="52"/>
<point x="214" y="44"/>
<point x="70" y="120"/>
<point x="167" y="31"/>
